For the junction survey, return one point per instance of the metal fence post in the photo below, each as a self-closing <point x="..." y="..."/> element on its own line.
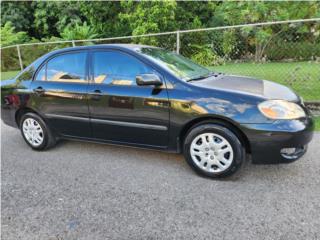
<point x="73" y="43"/>
<point x="178" y="42"/>
<point x="19" y="56"/>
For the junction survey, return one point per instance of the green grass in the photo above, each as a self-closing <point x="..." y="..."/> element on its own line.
<point x="8" y="75"/>
<point x="302" y="77"/>
<point x="317" y="123"/>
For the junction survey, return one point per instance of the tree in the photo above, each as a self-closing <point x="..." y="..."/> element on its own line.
<point x="251" y="12"/>
<point x="10" y="37"/>
<point x="148" y="17"/>
<point x="79" y="32"/>
<point x="51" y="18"/>
<point x="20" y="14"/>
<point x="103" y="16"/>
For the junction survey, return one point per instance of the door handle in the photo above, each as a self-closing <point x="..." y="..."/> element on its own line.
<point x="96" y="94"/>
<point x="39" y="90"/>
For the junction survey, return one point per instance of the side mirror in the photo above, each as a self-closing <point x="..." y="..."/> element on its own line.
<point x="148" y="79"/>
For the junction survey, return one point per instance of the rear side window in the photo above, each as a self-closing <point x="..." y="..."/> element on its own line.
<point x="117" y="68"/>
<point x="69" y="67"/>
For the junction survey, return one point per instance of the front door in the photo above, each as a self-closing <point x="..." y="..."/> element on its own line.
<point x="60" y="93"/>
<point x="122" y="111"/>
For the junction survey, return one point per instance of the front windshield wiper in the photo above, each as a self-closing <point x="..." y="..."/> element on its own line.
<point x="197" y="78"/>
<point x="203" y="77"/>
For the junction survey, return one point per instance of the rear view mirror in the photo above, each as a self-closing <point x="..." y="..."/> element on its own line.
<point x="148" y="79"/>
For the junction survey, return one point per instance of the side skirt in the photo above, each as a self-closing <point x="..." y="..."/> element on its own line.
<point x="116" y="143"/>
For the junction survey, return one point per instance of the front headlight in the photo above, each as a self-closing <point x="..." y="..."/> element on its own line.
<point x="281" y="109"/>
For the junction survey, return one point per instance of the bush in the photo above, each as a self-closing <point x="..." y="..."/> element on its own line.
<point x="283" y="50"/>
<point x="205" y="56"/>
<point x="10" y="37"/>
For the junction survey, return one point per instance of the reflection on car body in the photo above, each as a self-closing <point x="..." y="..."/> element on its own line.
<point x="144" y="96"/>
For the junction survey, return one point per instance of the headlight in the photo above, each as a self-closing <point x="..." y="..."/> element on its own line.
<point x="281" y="109"/>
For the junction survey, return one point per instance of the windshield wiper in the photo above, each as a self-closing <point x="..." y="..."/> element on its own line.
<point x="197" y="78"/>
<point x="203" y="77"/>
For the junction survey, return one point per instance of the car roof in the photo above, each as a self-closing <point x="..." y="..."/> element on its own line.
<point x="133" y="47"/>
<point x="119" y="46"/>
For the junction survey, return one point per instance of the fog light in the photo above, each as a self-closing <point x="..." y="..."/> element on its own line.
<point x="293" y="153"/>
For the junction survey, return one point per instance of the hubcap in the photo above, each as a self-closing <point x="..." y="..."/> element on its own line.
<point x="211" y="152"/>
<point x="32" y="131"/>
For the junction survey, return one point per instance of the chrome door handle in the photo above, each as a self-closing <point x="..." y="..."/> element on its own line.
<point x="96" y="94"/>
<point x="39" y="90"/>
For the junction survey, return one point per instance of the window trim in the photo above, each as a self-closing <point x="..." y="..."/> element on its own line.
<point x="39" y="70"/>
<point x="91" y="65"/>
<point x="45" y="64"/>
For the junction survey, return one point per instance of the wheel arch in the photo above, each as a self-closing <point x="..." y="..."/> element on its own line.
<point x="219" y="121"/>
<point x="21" y="111"/>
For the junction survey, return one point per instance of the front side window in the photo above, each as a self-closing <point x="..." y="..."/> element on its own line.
<point x="69" y="67"/>
<point x="117" y="68"/>
<point x="178" y="65"/>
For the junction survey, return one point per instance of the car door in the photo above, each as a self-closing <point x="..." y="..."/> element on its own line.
<point x="60" y="93"/>
<point x="122" y="111"/>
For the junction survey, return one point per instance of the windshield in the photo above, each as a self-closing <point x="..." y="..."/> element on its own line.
<point x="178" y="65"/>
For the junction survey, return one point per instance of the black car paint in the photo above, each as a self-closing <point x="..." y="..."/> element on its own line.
<point x="156" y="117"/>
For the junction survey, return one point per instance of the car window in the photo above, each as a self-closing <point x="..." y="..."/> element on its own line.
<point x="117" y="68"/>
<point x="26" y="74"/>
<point x="69" y="67"/>
<point x="41" y="75"/>
<point x="178" y="65"/>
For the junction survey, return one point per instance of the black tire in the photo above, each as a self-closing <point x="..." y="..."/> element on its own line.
<point x="238" y="149"/>
<point x="49" y="139"/>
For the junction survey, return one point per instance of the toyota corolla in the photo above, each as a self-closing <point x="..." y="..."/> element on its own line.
<point x="144" y="96"/>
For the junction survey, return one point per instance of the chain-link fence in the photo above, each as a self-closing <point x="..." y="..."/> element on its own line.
<point x="287" y="52"/>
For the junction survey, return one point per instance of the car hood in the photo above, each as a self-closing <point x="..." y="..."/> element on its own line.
<point x="262" y="88"/>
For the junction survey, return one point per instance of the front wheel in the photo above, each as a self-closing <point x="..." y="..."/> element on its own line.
<point x="35" y="132"/>
<point x="213" y="150"/>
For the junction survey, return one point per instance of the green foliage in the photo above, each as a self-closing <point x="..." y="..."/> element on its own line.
<point x="104" y="17"/>
<point x="45" y="20"/>
<point x="148" y="17"/>
<point x="283" y="51"/>
<point x="20" y="14"/>
<point x="247" y="12"/>
<point x="229" y="43"/>
<point x="52" y="17"/>
<point x="205" y="56"/>
<point x="10" y="37"/>
<point x="79" y="32"/>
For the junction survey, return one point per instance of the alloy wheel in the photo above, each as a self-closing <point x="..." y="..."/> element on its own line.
<point x="33" y="132"/>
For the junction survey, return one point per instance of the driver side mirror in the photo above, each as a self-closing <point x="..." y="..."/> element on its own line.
<point x="148" y="79"/>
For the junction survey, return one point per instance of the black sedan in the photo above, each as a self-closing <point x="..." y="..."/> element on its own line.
<point x="143" y="96"/>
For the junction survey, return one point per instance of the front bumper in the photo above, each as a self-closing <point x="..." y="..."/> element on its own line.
<point x="270" y="143"/>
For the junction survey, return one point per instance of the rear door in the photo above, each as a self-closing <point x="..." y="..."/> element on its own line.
<point x="122" y="111"/>
<point x="60" y="93"/>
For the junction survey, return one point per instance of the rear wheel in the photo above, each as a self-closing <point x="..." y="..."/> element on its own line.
<point x="35" y="132"/>
<point x="213" y="150"/>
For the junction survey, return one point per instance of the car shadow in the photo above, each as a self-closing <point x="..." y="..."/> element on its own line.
<point x="248" y="171"/>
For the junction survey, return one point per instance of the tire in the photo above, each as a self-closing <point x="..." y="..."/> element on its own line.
<point x="36" y="132"/>
<point x="213" y="150"/>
